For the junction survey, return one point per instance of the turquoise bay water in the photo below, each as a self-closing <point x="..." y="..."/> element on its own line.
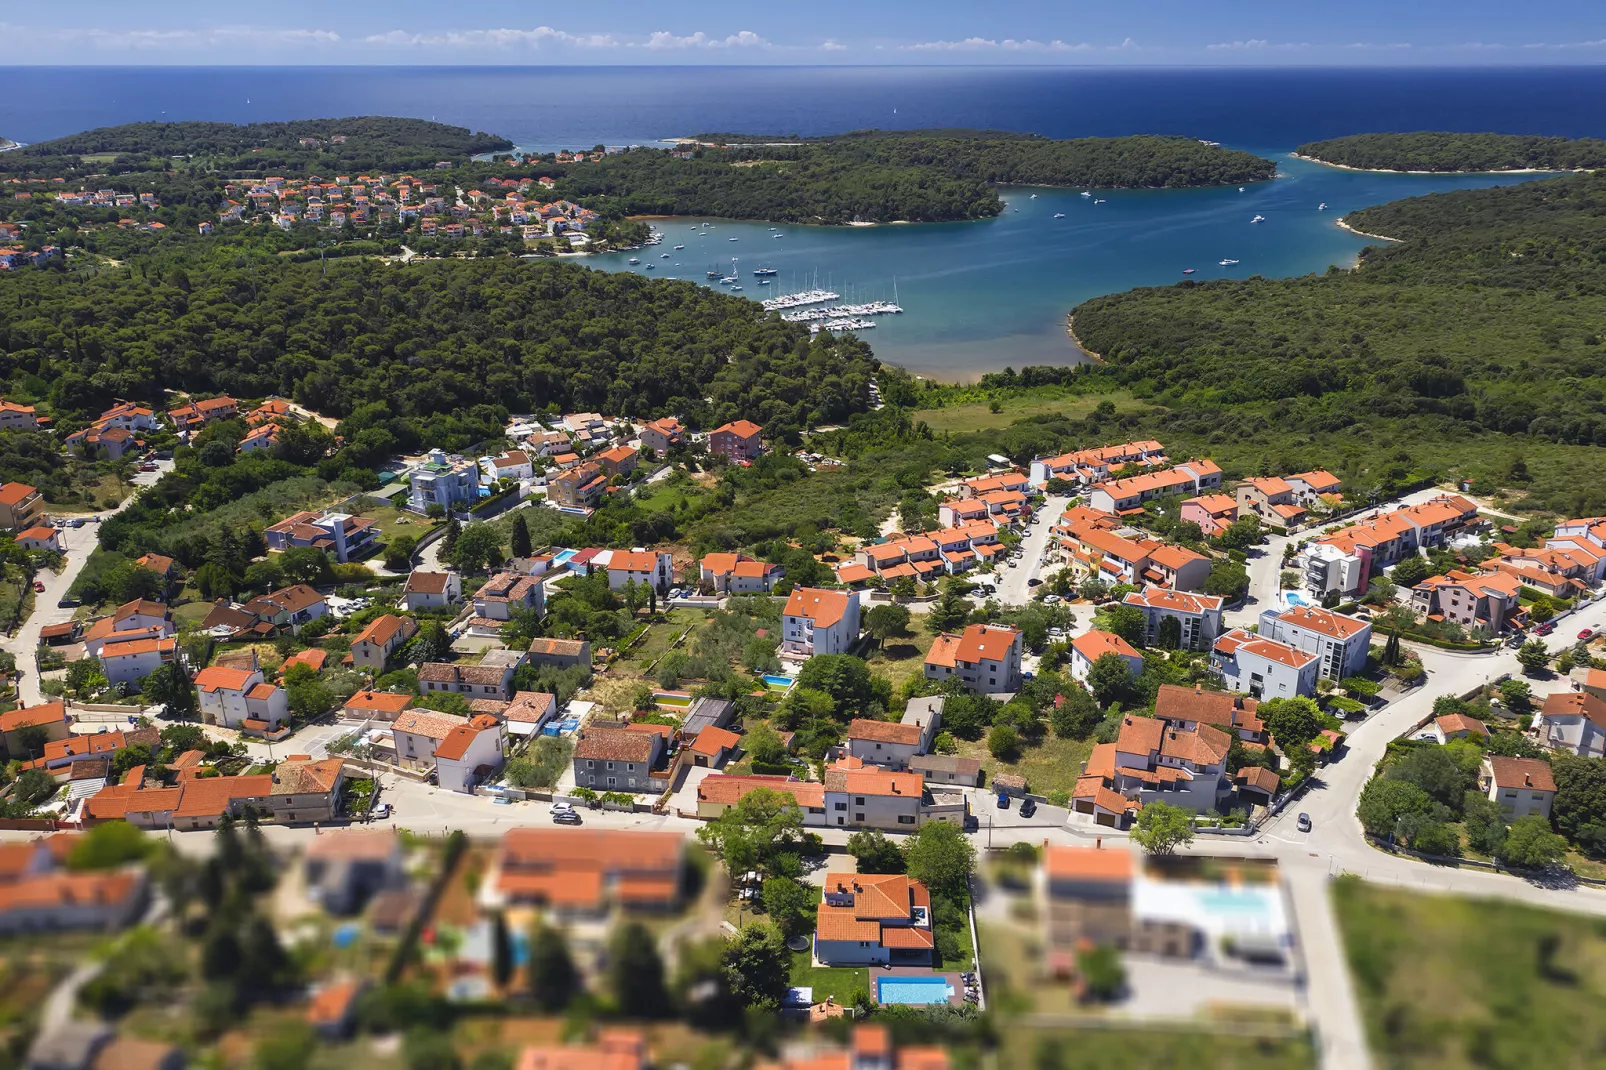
<point x="984" y="295"/>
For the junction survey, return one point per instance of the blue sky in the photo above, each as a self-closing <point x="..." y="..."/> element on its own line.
<point x="1178" y="32"/>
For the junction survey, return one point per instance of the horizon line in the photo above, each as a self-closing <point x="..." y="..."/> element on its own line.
<point x="822" y="66"/>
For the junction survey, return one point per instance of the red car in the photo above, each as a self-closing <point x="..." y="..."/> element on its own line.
<point x="38" y="587"/>
<point x="1587" y="633"/>
<point x="1545" y="628"/>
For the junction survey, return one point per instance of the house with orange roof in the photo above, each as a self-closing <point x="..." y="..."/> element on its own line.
<point x="586" y="871"/>
<point x="887" y="744"/>
<point x="161" y="565"/>
<point x="41" y="537"/>
<point x="1519" y="786"/>
<point x="1312" y="485"/>
<point x="341" y="534"/>
<point x="45" y="897"/>
<point x="738" y="440"/>
<point x="1190" y="707"/>
<point x="1086" y="895"/>
<point x="370" y="705"/>
<point x="1487" y="600"/>
<point x="818" y="621"/>
<point x="614" y="1049"/>
<point x="313" y="658"/>
<point x="430" y="590"/>
<point x="655" y="568"/>
<point x="1197" y="618"/>
<point x="332" y="1010"/>
<point x="15" y="417"/>
<point x="471" y="753"/>
<point x="197" y="414"/>
<point x="737" y="573"/>
<point x="1574" y="721"/>
<point x="718" y="792"/>
<point x="1587" y="534"/>
<point x="1011" y="482"/>
<point x="1341" y="643"/>
<point x="1453" y="726"/>
<point x="1129" y="495"/>
<point x="578" y="487"/>
<point x="1214" y="513"/>
<point x="619" y="461"/>
<point x="240" y="698"/>
<point x="21" y="506"/>
<point x="1092" y="645"/>
<point x="130" y="661"/>
<point x="1089" y="466"/>
<point x="713" y="746"/>
<point x="507" y="593"/>
<point x="1160" y="760"/>
<point x="378" y="642"/>
<point x="873" y="919"/>
<point x="49" y="717"/>
<point x="984" y="658"/>
<point x="1263" y="667"/>
<point x="870" y="1048"/>
<point x="860" y="796"/>
<point x="660" y="436"/>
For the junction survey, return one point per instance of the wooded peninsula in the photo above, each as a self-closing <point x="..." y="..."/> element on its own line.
<point x="1450" y="152"/>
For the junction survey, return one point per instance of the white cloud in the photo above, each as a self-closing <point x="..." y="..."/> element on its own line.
<point x="1359" y="45"/>
<point x="494" y="38"/>
<point x="206" y="37"/>
<point x="1256" y="44"/>
<point x="986" y="44"/>
<point x="662" y="40"/>
<point x="833" y="46"/>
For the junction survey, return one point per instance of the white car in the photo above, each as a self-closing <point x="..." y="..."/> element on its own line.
<point x="380" y="811"/>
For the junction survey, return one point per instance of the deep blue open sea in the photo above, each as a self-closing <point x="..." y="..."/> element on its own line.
<point x="979" y="295"/>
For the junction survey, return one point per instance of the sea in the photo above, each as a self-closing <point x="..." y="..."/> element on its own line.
<point x="977" y="296"/>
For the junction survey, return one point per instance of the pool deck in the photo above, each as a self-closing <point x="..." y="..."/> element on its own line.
<point x="956" y="981"/>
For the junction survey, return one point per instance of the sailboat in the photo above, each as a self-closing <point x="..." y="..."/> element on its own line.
<point x="1225" y="263"/>
<point x="1258" y="219"/>
<point x="1322" y="207"/>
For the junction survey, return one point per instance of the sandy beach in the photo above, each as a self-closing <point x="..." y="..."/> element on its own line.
<point x="1392" y="171"/>
<point x="1361" y="233"/>
<point x="1070" y="329"/>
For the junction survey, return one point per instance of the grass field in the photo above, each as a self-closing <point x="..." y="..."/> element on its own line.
<point x="1448" y="982"/>
<point x="393" y="521"/>
<point x="827" y="981"/>
<point x="1053" y="763"/>
<point x="902" y="657"/>
<point x="1040" y="401"/>
<point x="1123" y="1049"/>
<point x="657" y="640"/>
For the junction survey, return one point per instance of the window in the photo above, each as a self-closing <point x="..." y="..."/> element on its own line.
<point x="613" y="781"/>
<point x="858" y="800"/>
<point x="905" y="819"/>
<point x="610" y="765"/>
<point x="858" y="817"/>
<point x="840" y="806"/>
<point x="589" y="764"/>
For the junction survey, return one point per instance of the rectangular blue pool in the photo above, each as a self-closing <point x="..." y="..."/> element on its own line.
<point x="913" y="990"/>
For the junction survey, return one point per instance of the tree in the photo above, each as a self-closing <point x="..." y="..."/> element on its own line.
<point x="1100" y="968"/>
<point x="169" y="685"/>
<point x="449" y="537"/>
<point x="1241" y="534"/>
<point x="1411" y="571"/>
<point x="941" y="858"/>
<point x="1515" y="694"/>
<point x="1580" y="806"/>
<point x="1292" y="722"/>
<point x="874" y="853"/>
<point x="84" y="678"/>
<point x="306" y="564"/>
<point x="213" y="581"/>
<point x="476" y="548"/>
<point x="949" y="611"/>
<point x="289" y="1047"/>
<point x="309" y="699"/>
<point x="1161" y="828"/>
<point x="399" y="551"/>
<point x="1436" y="771"/>
<point x="1485" y="824"/>
<point x="636" y="973"/>
<point x="765" y="746"/>
<point x="1391" y="649"/>
<point x="747" y="835"/>
<point x="501" y="951"/>
<point x="788" y="904"/>
<point x="886" y="621"/>
<point x="1227" y="579"/>
<point x="1169" y="635"/>
<point x="758" y="967"/>
<point x="107" y="846"/>
<point x="1533" y="656"/>
<point x="432" y="643"/>
<point x="1074" y="714"/>
<point x="968" y="716"/>
<point x="1126" y="621"/>
<point x="1531" y="845"/>
<point x="1002" y="741"/>
<point x="519" y="536"/>
<point x="553" y="977"/>
<point x="1110" y="678"/>
<point x="1385" y="801"/>
<point x="844" y="677"/>
<point x="1543" y="609"/>
<point x="32" y="739"/>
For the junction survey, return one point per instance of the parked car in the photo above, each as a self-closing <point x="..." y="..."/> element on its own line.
<point x="1034" y="581"/>
<point x="38" y="587"/>
<point x="380" y="811"/>
<point x="1545" y="628"/>
<point x="1587" y="633"/>
<point x="1028" y="808"/>
<point x="66" y="603"/>
<point x="1051" y="599"/>
<point x="1003" y="801"/>
<point x="1304" y="822"/>
<point x="147" y="467"/>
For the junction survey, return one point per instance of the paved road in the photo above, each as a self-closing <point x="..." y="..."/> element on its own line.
<point x="1014" y="588"/>
<point x="78" y="543"/>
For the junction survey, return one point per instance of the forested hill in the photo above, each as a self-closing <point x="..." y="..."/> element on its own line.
<point x="1438" y="151"/>
<point x="367" y="142"/>
<point x="874" y="176"/>
<point x="1487" y="318"/>
<point x="427" y="342"/>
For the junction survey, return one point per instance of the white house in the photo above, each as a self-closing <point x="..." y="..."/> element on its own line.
<point x="231" y="697"/>
<point x="129" y="662"/>
<point x="817" y="621"/>
<point x="431" y="590"/>
<point x="1092" y="645"/>
<point x="1573" y="721"/>
<point x="869" y="919"/>
<point x="470" y="753"/>
<point x="450" y="482"/>
<point x="1519" y="786"/>
<point x="1198" y="616"/>
<point x="507" y="592"/>
<point x="419" y="733"/>
<point x="883" y="743"/>
<point x="739" y="574"/>
<point x="1263" y="668"/>
<point x="1340" y="643"/>
<point x="1157" y="760"/>
<point x="985" y="658"/>
<point x="656" y="569"/>
<point x="514" y="464"/>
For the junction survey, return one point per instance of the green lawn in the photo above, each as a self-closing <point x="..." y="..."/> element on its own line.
<point x="1123" y="1049"/>
<point x="902" y="657"/>
<point x="659" y="636"/>
<point x="827" y="981"/>
<point x="1447" y="982"/>
<point x="392" y="521"/>
<point x="1038" y="401"/>
<point x="670" y="494"/>
<point x="1053" y="763"/>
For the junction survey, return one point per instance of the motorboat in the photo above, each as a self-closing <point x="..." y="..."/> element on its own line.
<point x="1258" y="219"/>
<point x="1187" y="271"/>
<point x="1085" y="193"/>
<point x="1059" y="215"/>
<point x="1226" y="263"/>
<point x="635" y="260"/>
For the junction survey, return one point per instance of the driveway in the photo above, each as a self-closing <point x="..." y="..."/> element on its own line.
<point x="1014" y="584"/>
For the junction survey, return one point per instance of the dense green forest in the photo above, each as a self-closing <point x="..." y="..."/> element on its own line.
<point x="1438" y="151"/>
<point x="426" y="340"/>
<point x="1486" y="318"/>
<point x="873" y="176"/>
<point x="371" y="143"/>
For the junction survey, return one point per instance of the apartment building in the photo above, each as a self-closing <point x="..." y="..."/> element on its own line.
<point x="1340" y="642"/>
<point x="240" y="699"/>
<point x="1573" y="721"/>
<point x="579" y="487"/>
<point x="738" y="440"/>
<point x="379" y="641"/>
<point x="660" y="436"/>
<point x="1214" y="513"/>
<point x="817" y="621"/>
<point x="450" y="482"/>
<point x="739" y="574"/>
<point x="1473" y="600"/>
<point x="1263" y="667"/>
<point x="654" y="568"/>
<point x="1272" y="499"/>
<point x="21" y="506"/>
<point x="340" y="534"/>
<point x="1197" y="617"/>
<point x="984" y="658"/>
<point x="1090" y="466"/>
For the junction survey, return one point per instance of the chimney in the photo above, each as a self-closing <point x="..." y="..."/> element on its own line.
<point x="1098" y="843"/>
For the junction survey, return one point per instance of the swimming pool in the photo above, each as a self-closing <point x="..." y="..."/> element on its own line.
<point x="913" y="990"/>
<point x="779" y="682"/>
<point x="1294" y="599"/>
<point x="562" y="557"/>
